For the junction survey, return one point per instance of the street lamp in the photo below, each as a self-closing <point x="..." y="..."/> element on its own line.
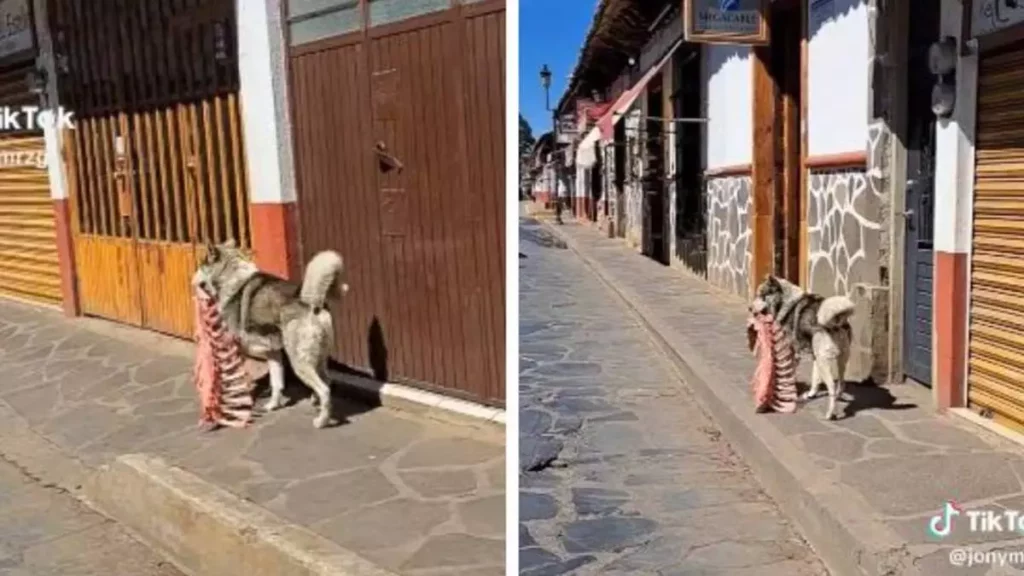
<point x="545" y="81"/>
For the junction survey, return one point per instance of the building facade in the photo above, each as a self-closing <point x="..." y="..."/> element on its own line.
<point x="288" y="129"/>
<point x="811" y="156"/>
<point x="978" y="328"/>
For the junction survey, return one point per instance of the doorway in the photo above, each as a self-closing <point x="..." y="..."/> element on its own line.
<point x="920" y="144"/>
<point x="596" y="188"/>
<point x="653" y="180"/>
<point x="155" y="173"/>
<point x="620" y="153"/>
<point x="785" y="69"/>
<point x="690" y="226"/>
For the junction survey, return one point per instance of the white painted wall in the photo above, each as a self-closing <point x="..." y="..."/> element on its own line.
<point x="837" y="77"/>
<point x="954" y="149"/>
<point x="727" y="79"/>
<point x="264" y="96"/>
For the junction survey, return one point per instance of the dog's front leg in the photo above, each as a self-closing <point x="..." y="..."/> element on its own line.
<point x="275" y="365"/>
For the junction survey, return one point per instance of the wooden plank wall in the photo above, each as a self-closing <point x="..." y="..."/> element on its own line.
<point x="424" y="246"/>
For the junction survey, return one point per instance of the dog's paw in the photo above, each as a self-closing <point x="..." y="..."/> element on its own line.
<point x="809" y="395"/>
<point x="322" y="421"/>
<point x="271" y="405"/>
<point x="829" y="418"/>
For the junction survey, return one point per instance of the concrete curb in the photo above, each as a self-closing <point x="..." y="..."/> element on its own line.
<point x="829" y="515"/>
<point x="200" y="528"/>
<point x="207" y="531"/>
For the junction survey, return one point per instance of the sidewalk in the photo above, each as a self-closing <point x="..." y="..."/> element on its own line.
<point x="409" y="493"/>
<point x="861" y="489"/>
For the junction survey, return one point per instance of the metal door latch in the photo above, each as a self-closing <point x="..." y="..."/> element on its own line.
<point x="387" y="160"/>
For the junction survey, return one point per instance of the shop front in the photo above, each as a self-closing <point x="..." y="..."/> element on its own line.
<point x="29" y="265"/>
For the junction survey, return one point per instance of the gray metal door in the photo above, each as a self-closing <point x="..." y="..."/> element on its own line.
<point x="917" y="310"/>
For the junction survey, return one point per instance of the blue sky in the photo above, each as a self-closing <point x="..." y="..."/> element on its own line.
<point x="550" y="32"/>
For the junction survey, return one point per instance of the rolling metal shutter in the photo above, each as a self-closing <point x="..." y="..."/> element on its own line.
<point x="28" y="239"/>
<point x="995" y="362"/>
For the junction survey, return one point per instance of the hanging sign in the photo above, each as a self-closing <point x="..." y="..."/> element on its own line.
<point x="726" y="21"/>
<point x="17" y="35"/>
<point x="988" y="16"/>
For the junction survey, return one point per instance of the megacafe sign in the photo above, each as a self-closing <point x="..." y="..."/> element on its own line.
<point x="726" y="21"/>
<point x="988" y="16"/>
<point x="16" y="33"/>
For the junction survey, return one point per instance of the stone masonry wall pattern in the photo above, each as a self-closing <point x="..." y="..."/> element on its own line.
<point x="729" y="256"/>
<point x="844" y="236"/>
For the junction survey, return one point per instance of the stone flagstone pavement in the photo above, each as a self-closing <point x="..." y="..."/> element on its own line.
<point x="882" y="471"/>
<point x="412" y="494"/>
<point x="643" y="482"/>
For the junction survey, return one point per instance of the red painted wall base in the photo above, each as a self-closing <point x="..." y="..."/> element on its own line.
<point x="274" y="239"/>
<point x="950" y="306"/>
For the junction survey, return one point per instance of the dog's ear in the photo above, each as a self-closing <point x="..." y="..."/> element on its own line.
<point x="771" y="280"/>
<point x="212" y="253"/>
<point x="230" y="243"/>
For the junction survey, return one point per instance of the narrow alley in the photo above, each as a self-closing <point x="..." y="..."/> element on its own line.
<point x="621" y="470"/>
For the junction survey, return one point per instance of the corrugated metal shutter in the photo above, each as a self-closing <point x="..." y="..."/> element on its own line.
<point x="28" y="239"/>
<point x="996" y="365"/>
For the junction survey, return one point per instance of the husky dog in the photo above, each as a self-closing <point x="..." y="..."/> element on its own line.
<point x="818" y="326"/>
<point x="272" y="317"/>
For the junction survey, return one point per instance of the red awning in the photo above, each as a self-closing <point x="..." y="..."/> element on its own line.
<point x="607" y="122"/>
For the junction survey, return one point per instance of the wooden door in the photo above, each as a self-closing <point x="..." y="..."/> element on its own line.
<point x="398" y="117"/>
<point x="155" y="162"/>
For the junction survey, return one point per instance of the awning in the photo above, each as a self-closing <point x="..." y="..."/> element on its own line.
<point x="586" y="154"/>
<point x="607" y="122"/>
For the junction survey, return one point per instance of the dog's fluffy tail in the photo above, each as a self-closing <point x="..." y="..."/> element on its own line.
<point x="835" y="310"/>
<point x="322" y="277"/>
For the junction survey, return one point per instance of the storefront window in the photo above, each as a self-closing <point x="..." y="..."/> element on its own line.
<point x="312" y="20"/>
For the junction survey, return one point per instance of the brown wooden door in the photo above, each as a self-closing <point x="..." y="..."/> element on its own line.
<point x="156" y="165"/>
<point x="399" y="130"/>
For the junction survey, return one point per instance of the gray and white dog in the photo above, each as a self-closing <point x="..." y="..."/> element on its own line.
<point x="819" y="326"/>
<point x="272" y="317"/>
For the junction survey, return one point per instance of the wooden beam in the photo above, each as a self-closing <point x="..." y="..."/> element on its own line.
<point x="764" y="166"/>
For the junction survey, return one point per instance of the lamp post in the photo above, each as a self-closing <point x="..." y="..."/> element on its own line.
<point x="545" y="81"/>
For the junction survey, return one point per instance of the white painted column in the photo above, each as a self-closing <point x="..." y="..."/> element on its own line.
<point x="53" y="138"/>
<point x="266" y="124"/>
<point x="953" y="202"/>
<point x="264" y="97"/>
<point x="954" y="149"/>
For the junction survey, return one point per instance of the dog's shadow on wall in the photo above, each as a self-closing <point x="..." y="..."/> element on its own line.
<point x="348" y="401"/>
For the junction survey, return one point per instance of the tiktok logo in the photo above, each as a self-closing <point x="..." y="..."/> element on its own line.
<point x="942" y="523"/>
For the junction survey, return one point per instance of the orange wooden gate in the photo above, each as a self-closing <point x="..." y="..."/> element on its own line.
<point x="155" y="162"/>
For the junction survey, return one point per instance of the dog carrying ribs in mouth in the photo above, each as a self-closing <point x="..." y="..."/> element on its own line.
<point x="774" y="380"/>
<point x="221" y="378"/>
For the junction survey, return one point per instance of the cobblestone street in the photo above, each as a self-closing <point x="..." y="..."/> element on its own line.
<point x="621" y="471"/>
<point x="44" y="532"/>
